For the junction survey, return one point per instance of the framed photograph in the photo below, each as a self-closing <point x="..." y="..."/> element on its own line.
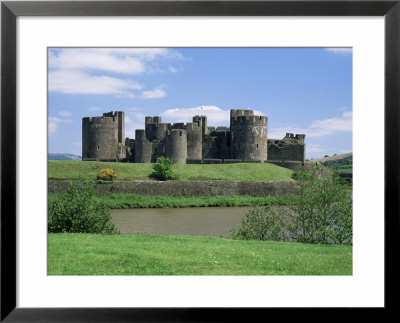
<point x="52" y="53"/>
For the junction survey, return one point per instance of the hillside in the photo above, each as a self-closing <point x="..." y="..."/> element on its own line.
<point x="69" y="170"/>
<point x="62" y="156"/>
<point x="340" y="165"/>
<point x="332" y="158"/>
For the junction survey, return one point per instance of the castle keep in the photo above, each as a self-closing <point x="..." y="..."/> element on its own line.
<point x="246" y="140"/>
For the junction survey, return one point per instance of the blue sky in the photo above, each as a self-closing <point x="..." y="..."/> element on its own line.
<point x="300" y="90"/>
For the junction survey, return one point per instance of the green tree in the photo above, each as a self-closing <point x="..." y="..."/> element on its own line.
<point x="260" y="223"/>
<point x="163" y="169"/>
<point x="78" y="210"/>
<point x="319" y="212"/>
<point x="322" y="209"/>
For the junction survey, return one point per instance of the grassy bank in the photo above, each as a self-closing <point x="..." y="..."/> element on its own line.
<point x="133" y="201"/>
<point x="344" y="165"/>
<point x="144" y="254"/>
<point x="74" y="170"/>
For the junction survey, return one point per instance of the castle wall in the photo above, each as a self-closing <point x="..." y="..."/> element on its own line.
<point x="177" y="146"/>
<point x="291" y="147"/>
<point x="209" y="147"/>
<point x="130" y="146"/>
<point x="121" y="126"/>
<point x="194" y="140"/>
<point x="190" y="188"/>
<point x="203" y="120"/>
<point x="156" y="131"/>
<point x="143" y="148"/>
<point x="248" y="136"/>
<point x="287" y="152"/>
<point x="100" y="138"/>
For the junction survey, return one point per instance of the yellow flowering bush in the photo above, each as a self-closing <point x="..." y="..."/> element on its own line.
<point x="107" y="174"/>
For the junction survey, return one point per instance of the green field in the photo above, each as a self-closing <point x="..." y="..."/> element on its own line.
<point x="74" y="170"/>
<point x="145" y="254"/>
<point x="344" y="165"/>
<point x="133" y="201"/>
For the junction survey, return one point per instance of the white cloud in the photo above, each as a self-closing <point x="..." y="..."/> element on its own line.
<point x="95" y="109"/>
<point x="65" y="113"/>
<point x="54" y="122"/>
<point x="136" y="121"/>
<point x="75" y="82"/>
<point x="328" y="126"/>
<point x="340" y="50"/>
<point x="87" y="60"/>
<point x="116" y="60"/>
<point x="215" y="115"/>
<point x="314" y="149"/>
<point x="318" y="128"/>
<point x="153" y="94"/>
<point x="172" y="69"/>
<point x="92" y="70"/>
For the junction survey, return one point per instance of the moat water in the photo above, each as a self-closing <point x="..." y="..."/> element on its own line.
<point x="198" y="221"/>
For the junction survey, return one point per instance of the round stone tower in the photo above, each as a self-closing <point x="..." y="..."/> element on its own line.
<point x="248" y="136"/>
<point x="177" y="146"/>
<point x="194" y="140"/>
<point x="100" y="138"/>
<point x="143" y="148"/>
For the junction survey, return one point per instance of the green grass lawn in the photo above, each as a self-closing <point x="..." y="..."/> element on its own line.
<point x="145" y="254"/>
<point x="74" y="170"/>
<point x="133" y="201"/>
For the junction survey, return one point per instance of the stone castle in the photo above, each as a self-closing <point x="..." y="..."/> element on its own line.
<point x="246" y="140"/>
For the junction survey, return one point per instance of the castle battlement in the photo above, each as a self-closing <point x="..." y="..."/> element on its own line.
<point x="99" y="119"/>
<point x="250" y="120"/>
<point x="241" y="112"/>
<point x="155" y="120"/>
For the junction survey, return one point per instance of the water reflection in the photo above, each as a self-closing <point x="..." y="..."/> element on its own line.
<point x="206" y="221"/>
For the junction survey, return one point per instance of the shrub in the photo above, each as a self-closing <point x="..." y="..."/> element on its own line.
<point x="78" y="210"/>
<point x="322" y="209"/>
<point x="163" y="169"/>
<point x="107" y="174"/>
<point x="261" y="223"/>
<point x="319" y="212"/>
<point x="301" y="175"/>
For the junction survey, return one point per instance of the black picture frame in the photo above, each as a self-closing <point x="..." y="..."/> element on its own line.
<point x="10" y="10"/>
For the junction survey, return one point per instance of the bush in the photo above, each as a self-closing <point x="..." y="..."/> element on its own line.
<point x="260" y="223"/>
<point x="78" y="210"/>
<point x="163" y="169"/>
<point x="322" y="209"/>
<point x="107" y="174"/>
<point x="319" y="212"/>
<point x="301" y="175"/>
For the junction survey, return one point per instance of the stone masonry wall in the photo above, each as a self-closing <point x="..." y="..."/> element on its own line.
<point x="190" y="188"/>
